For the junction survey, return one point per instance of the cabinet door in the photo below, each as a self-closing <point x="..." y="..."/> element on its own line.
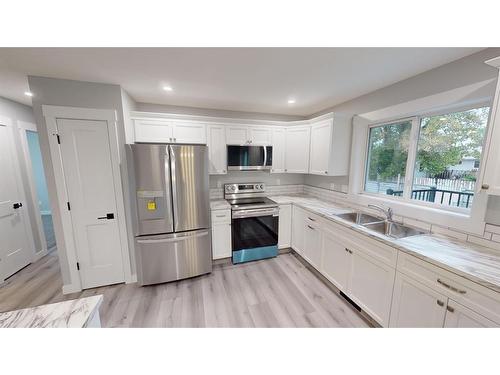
<point x="415" y="305"/>
<point x="321" y="146"/>
<point x="285" y="226"/>
<point x="153" y="131"/>
<point x="260" y="136"/>
<point x="298" y="224"/>
<point x="221" y="240"/>
<point x="312" y="245"/>
<point x="370" y="285"/>
<point x="190" y="133"/>
<point x="237" y="135"/>
<point x="336" y="261"/>
<point x="458" y="316"/>
<point x="217" y="152"/>
<point x="278" y="150"/>
<point x="297" y="150"/>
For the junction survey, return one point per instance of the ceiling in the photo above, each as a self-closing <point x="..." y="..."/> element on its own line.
<point x="239" y="79"/>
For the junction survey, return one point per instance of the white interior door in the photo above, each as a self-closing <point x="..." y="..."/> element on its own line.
<point x="88" y="174"/>
<point x="15" y="248"/>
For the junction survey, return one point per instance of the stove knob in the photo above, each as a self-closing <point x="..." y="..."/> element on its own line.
<point x="261" y="186"/>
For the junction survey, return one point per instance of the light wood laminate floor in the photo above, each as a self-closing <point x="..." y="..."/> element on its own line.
<point x="279" y="292"/>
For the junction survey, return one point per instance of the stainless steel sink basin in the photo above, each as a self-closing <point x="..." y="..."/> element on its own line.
<point x="359" y="218"/>
<point x="393" y="230"/>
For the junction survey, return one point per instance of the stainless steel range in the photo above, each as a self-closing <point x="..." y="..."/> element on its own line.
<point x="254" y="222"/>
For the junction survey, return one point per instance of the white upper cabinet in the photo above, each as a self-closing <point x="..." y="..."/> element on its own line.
<point x="237" y="135"/>
<point x="154" y="131"/>
<point x="279" y="135"/>
<point x="190" y="132"/>
<point x="217" y="154"/>
<point x="297" y="149"/>
<point x="330" y="146"/>
<point x="166" y="131"/>
<point x="249" y="135"/>
<point x="261" y="136"/>
<point x="490" y="180"/>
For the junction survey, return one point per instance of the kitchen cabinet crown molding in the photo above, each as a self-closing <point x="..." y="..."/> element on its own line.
<point x="139" y="115"/>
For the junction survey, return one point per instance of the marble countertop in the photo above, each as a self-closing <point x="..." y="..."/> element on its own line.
<point x="68" y="314"/>
<point x="219" y="204"/>
<point x="476" y="263"/>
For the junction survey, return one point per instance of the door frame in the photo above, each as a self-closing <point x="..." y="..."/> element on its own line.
<point x="23" y="127"/>
<point x="51" y="114"/>
<point x="9" y="124"/>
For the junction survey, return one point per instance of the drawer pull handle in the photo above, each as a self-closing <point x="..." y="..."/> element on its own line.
<point x="446" y="285"/>
<point x="310" y="218"/>
<point x="349" y="251"/>
<point x="440" y="303"/>
<point x="311" y="227"/>
<point x="220" y="215"/>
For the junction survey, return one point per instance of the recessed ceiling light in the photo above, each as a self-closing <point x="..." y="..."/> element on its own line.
<point x="27" y="93"/>
<point x="442" y="118"/>
<point x="291" y="101"/>
<point x="168" y="88"/>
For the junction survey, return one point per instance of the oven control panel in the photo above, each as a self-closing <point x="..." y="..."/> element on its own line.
<point x="244" y="188"/>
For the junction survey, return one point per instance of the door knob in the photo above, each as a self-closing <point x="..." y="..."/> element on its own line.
<point x="107" y="217"/>
<point x="15" y="206"/>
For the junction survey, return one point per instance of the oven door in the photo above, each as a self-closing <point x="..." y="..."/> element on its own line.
<point x="243" y="158"/>
<point x="254" y="234"/>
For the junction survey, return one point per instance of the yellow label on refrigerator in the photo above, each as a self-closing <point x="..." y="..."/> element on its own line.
<point x="151" y="205"/>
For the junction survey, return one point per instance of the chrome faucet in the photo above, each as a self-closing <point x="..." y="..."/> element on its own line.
<point x="387" y="212"/>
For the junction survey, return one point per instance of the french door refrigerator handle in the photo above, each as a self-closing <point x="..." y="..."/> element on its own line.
<point x="174" y="239"/>
<point x="171" y="196"/>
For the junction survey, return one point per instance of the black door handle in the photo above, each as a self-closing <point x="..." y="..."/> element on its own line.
<point x="107" y="217"/>
<point x="17" y="205"/>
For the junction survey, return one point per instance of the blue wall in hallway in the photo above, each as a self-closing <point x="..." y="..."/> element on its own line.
<point x="38" y="174"/>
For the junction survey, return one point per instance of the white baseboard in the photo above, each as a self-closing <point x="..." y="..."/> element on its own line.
<point x="70" y="288"/>
<point x="45" y="212"/>
<point x="133" y="279"/>
<point x="40" y="254"/>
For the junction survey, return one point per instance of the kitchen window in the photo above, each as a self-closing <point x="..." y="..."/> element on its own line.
<point x="437" y="166"/>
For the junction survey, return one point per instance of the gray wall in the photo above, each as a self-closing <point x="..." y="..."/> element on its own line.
<point x="62" y="92"/>
<point x="462" y="72"/>
<point x="20" y="112"/>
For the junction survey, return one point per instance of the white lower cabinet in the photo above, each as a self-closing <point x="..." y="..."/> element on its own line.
<point x="298" y="221"/>
<point x="336" y="262"/>
<point x="370" y="285"/>
<point x="415" y="305"/>
<point x="312" y="244"/>
<point x="221" y="234"/>
<point x="285" y="226"/>
<point x="458" y="316"/>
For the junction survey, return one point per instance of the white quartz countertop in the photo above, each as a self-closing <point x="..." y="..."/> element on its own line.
<point x="68" y="314"/>
<point x="219" y="204"/>
<point x="476" y="263"/>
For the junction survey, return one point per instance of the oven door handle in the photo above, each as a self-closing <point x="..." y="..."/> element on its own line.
<point x="256" y="212"/>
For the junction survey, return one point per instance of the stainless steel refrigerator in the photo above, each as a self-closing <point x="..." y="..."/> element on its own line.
<point x="173" y="238"/>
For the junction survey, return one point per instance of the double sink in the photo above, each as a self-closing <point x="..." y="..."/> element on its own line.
<point x="378" y="225"/>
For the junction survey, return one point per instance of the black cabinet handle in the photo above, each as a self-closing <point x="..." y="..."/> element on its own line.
<point x="107" y="217"/>
<point x="17" y="205"/>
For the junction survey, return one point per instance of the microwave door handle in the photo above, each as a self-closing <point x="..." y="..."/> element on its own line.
<point x="265" y="157"/>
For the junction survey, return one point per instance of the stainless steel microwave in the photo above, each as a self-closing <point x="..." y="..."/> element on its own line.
<point x="249" y="158"/>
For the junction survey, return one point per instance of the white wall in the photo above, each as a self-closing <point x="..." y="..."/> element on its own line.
<point x="76" y="94"/>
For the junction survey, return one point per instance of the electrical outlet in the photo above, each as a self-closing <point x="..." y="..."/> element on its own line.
<point x="332" y="186"/>
<point x="219" y="184"/>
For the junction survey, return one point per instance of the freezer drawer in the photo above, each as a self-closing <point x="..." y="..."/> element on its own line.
<point x="173" y="256"/>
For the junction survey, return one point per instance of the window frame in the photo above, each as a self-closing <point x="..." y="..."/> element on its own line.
<point x="405" y="198"/>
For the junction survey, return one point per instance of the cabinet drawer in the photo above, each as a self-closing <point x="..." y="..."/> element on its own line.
<point x="221" y="216"/>
<point x="468" y="293"/>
